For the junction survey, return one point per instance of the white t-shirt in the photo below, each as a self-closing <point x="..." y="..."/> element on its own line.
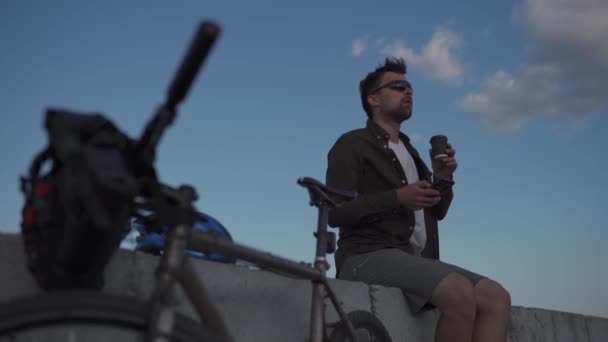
<point x="418" y="238"/>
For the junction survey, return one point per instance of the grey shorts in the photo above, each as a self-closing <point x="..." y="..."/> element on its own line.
<point x="416" y="276"/>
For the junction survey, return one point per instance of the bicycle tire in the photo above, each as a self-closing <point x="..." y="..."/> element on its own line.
<point x="367" y="327"/>
<point x="85" y="316"/>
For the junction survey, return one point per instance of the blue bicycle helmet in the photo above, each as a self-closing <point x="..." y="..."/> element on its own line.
<point x="154" y="242"/>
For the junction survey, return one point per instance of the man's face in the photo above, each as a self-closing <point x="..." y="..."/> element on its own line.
<point x="394" y="97"/>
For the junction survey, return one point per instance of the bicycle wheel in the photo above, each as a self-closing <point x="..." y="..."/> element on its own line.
<point x="367" y="327"/>
<point x="78" y="316"/>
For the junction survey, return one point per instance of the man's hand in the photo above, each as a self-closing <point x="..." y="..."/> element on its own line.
<point x="445" y="167"/>
<point x="418" y="195"/>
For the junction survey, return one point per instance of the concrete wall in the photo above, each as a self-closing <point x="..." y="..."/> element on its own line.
<point x="263" y="306"/>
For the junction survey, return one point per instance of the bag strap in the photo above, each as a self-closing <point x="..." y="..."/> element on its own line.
<point x="34" y="170"/>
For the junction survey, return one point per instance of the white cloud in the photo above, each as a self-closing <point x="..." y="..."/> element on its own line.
<point x="509" y="101"/>
<point x="438" y="59"/>
<point x="566" y="72"/>
<point x="359" y="46"/>
<point x="380" y="41"/>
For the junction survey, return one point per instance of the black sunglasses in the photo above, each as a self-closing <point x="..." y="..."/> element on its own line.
<point x="398" y="85"/>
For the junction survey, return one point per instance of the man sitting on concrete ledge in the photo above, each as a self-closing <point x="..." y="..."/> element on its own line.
<point x="389" y="234"/>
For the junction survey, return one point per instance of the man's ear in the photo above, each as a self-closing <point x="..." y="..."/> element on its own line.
<point x="372" y="100"/>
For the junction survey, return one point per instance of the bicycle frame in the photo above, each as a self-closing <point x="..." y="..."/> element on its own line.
<point x="175" y="266"/>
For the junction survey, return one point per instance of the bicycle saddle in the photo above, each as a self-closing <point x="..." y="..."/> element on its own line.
<point x="333" y="196"/>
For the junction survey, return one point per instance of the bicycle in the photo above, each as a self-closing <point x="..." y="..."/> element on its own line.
<point x="102" y="316"/>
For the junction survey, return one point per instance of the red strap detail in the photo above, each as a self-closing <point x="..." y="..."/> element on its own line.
<point x="43" y="188"/>
<point x="29" y="216"/>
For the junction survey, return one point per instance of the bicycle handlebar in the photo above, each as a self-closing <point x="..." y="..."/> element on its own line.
<point x="206" y="35"/>
<point x="201" y="45"/>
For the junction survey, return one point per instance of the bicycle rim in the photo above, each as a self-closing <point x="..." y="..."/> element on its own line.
<point x="80" y="316"/>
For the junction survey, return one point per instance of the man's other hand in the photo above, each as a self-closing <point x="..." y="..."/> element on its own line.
<point x="418" y="195"/>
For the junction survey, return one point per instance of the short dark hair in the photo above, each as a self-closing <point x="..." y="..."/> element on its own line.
<point x="372" y="80"/>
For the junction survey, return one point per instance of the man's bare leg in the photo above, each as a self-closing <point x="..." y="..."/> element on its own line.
<point x="454" y="296"/>
<point x="493" y="312"/>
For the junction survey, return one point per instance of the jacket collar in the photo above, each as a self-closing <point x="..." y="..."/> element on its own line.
<point x="382" y="137"/>
<point x="380" y="134"/>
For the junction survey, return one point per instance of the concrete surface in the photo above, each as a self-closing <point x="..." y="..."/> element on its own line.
<point x="263" y="306"/>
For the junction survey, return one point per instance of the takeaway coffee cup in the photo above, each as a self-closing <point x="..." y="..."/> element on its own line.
<point x="439" y="143"/>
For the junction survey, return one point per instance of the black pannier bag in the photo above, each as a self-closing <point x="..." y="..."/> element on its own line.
<point x="77" y="213"/>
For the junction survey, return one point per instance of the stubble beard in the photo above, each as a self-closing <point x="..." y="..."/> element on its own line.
<point x="402" y="114"/>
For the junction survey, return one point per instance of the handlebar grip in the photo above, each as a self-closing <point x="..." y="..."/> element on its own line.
<point x="201" y="45"/>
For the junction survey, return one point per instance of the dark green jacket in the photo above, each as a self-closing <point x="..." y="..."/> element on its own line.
<point x="361" y="161"/>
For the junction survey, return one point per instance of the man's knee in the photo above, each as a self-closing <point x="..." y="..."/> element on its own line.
<point x="492" y="297"/>
<point x="455" y="294"/>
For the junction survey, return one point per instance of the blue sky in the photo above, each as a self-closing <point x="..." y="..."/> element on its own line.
<point x="516" y="86"/>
